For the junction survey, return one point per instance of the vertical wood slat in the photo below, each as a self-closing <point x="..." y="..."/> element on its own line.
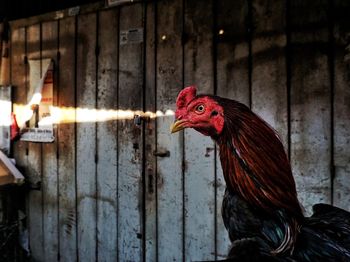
<point x="199" y="152"/>
<point x="35" y="200"/>
<point x="150" y="237"/>
<point x="107" y="137"/>
<point x="269" y="78"/>
<point x="233" y="50"/>
<point x="341" y="186"/>
<point x="49" y="156"/>
<point x="310" y="103"/>
<point x="18" y="80"/>
<point x="232" y="81"/>
<point x="169" y="169"/>
<point x="66" y="143"/>
<point x="130" y="140"/>
<point x="33" y="45"/>
<point x="86" y="136"/>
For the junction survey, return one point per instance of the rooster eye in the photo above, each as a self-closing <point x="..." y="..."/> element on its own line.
<point x="200" y="108"/>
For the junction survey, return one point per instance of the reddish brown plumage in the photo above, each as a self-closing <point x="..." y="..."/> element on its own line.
<point x="258" y="168"/>
<point x="260" y="208"/>
<point x="254" y="162"/>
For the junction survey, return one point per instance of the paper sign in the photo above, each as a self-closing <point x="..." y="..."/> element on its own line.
<point x="40" y="97"/>
<point x="118" y="2"/>
<point x="131" y="36"/>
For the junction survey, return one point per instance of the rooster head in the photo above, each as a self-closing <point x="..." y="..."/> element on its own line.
<point x="201" y="112"/>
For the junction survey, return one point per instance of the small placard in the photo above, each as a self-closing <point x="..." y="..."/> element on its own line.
<point x="131" y="36"/>
<point x="43" y="135"/>
<point x="74" y="11"/>
<point x="118" y="2"/>
<point x="59" y="15"/>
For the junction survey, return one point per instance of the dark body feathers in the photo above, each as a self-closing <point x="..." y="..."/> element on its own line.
<point x="260" y="208"/>
<point x="323" y="237"/>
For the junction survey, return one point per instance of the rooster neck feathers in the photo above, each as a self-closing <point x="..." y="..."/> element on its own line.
<point x="254" y="161"/>
<point x="256" y="167"/>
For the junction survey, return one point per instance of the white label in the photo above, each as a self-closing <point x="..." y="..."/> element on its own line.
<point x="74" y="11"/>
<point x="118" y="2"/>
<point x="131" y="36"/>
<point x="38" y="135"/>
<point x="59" y="15"/>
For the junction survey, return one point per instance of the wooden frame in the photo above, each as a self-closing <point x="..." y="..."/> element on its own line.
<point x="9" y="174"/>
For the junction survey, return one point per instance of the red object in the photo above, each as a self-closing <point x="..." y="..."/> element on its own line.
<point x="14" y="127"/>
<point x="188" y="110"/>
<point x="260" y="208"/>
<point x="255" y="143"/>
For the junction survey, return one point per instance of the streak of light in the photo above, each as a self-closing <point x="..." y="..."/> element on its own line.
<point x="60" y="115"/>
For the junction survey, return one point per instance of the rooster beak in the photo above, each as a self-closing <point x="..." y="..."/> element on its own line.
<point x="178" y="125"/>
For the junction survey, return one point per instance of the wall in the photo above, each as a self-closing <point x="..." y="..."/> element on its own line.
<point x="105" y="195"/>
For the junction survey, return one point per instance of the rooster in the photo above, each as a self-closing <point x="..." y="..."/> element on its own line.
<point x="260" y="208"/>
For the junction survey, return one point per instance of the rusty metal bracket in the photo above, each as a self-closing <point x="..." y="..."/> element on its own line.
<point x="162" y="153"/>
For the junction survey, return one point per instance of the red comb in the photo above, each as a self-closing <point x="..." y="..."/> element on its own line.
<point x="185" y="96"/>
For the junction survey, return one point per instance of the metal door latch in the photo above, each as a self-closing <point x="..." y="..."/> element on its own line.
<point x="137" y="120"/>
<point x="162" y="153"/>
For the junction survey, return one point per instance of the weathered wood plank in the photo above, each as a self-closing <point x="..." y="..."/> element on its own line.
<point x="269" y="78"/>
<point x="66" y="143"/>
<point x="34" y="168"/>
<point x="33" y="38"/>
<point x="150" y="137"/>
<point x="169" y="169"/>
<point x="233" y="50"/>
<point x="49" y="161"/>
<point x="341" y="186"/>
<point x="18" y="80"/>
<point x="232" y="81"/>
<point x="310" y="101"/>
<point x="130" y="146"/>
<point x="107" y="137"/>
<point x="86" y="136"/>
<point x="199" y="152"/>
